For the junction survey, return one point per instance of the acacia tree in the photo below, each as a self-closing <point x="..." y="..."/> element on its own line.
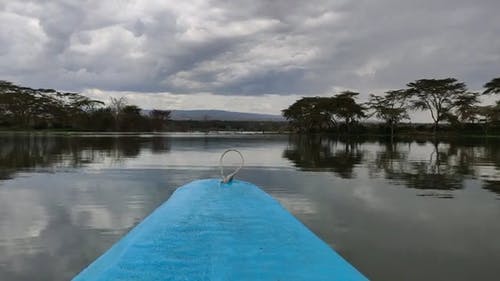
<point x="131" y="119"/>
<point x="70" y="110"/>
<point x="489" y="115"/>
<point x="19" y="104"/>
<point x="318" y="113"/>
<point x="466" y="107"/>
<point x="391" y="108"/>
<point x="159" y="119"/>
<point x="344" y="106"/>
<point x="438" y="96"/>
<point x="308" y="114"/>
<point x="492" y="87"/>
<point x="26" y="107"/>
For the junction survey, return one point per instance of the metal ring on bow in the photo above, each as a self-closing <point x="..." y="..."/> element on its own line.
<point x="229" y="178"/>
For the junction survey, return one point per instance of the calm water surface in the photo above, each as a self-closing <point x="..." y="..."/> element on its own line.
<point x="401" y="211"/>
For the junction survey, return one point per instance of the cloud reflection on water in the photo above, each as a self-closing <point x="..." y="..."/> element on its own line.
<point x="64" y="200"/>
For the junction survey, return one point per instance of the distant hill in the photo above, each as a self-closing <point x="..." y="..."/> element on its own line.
<point x="221" y="115"/>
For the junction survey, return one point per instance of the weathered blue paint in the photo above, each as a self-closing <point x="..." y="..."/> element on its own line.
<point x="213" y="231"/>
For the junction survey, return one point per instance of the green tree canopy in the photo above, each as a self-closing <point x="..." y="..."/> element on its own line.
<point x="309" y="114"/>
<point x="344" y="107"/>
<point x="159" y="119"/>
<point x="391" y="108"/>
<point x="466" y="107"/>
<point x="438" y="96"/>
<point x="492" y="87"/>
<point x="26" y="107"/>
<point x="489" y="115"/>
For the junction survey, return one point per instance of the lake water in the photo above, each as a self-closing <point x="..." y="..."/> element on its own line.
<point x="401" y="211"/>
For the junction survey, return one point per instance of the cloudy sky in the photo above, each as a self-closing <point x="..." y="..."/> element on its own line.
<point x="252" y="56"/>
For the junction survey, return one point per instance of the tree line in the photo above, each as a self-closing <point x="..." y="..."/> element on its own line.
<point x="24" y="108"/>
<point x="28" y="108"/>
<point x="446" y="100"/>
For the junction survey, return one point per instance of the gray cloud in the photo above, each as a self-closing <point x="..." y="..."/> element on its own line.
<point x="247" y="47"/>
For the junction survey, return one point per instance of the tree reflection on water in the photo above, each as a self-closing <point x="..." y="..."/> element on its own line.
<point x="437" y="172"/>
<point x="492" y="185"/>
<point x="425" y="165"/>
<point x="23" y="152"/>
<point x="324" y="154"/>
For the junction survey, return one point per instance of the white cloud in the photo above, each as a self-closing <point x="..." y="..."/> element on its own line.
<point x="246" y="48"/>
<point x="266" y="104"/>
<point x="25" y="39"/>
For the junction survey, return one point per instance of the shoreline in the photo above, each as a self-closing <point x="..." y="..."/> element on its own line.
<point x="397" y="137"/>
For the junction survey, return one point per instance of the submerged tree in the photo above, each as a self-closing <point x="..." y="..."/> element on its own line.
<point x="391" y="108"/>
<point x="438" y="96"/>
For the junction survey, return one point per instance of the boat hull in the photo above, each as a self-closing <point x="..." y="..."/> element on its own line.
<point x="213" y="231"/>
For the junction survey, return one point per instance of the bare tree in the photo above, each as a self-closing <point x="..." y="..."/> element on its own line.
<point x="117" y="105"/>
